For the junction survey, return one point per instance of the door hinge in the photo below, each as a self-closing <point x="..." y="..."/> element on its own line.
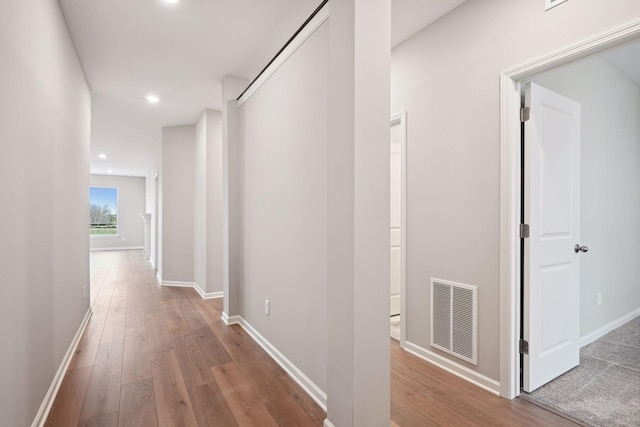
<point x="524" y="114"/>
<point x="524" y="347"/>
<point x="524" y="231"/>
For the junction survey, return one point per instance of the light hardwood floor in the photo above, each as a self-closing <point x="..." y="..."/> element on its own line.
<point x="157" y="356"/>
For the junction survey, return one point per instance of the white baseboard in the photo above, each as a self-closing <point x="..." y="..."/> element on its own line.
<point x="456" y="369"/>
<point x="175" y="284"/>
<point x="212" y="295"/>
<point x="50" y="397"/>
<point x="207" y="295"/>
<point x="327" y="423"/>
<point x="600" y="332"/>
<point x="316" y="393"/>
<point x="119" y="248"/>
<point x="233" y="320"/>
<point x="203" y="294"/>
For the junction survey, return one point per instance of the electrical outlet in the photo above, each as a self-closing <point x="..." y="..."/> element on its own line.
<point x="267" y="307"/>
<point x="599" y="298"/>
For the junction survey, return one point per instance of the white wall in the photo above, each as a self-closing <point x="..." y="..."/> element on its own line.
<point x="283" y="147"/>
<point x="610" y="186"/>
<point x="358" y="178"/>
<point x="232" y="87"/>
<point x="151" y="198"/>
<point x="214" y="202"/>
<point x="208" y="240"/>
<point x="447" y="79"/>
<point x="131" y="202"/>
<point x="154" y="205"/>
<point x="44" y="202"/>
<point x="200" y="204"/>
<point x="177" y="203"/>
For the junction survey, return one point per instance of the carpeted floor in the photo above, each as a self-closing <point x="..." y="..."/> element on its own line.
<point x="604" y="390"/>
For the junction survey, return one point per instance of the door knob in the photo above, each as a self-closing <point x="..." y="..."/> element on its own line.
<point x="578" y="248"/>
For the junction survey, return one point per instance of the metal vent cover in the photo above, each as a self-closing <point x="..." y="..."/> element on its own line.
<point x="454" y="319"/>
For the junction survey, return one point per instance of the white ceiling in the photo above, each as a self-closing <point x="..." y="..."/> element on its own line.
<point x="180" y="52"/>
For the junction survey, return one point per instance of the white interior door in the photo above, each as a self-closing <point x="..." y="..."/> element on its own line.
<point x="552" y="210"/>
<point x="396" y="212"/>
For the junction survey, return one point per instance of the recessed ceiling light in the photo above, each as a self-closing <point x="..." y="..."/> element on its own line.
<point x="171" y="1"/>
<point x="109" y="171"/>
<point x="102" y="156"/>
<point x="153" y="99"/>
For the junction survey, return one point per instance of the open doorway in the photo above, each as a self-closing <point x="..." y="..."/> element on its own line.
<point x="398" y="228"/>
<point x="604" y="212"/>
<point x="581" y="192"/>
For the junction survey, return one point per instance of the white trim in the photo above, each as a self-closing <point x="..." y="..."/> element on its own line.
<point x="509" y="238"/>
<point x="580" y="50"/>
<point x="302" y="36"/>
<point x="199" y="290"/>
<point x="213" y="295"/>
<point x="454" y="368"/>
<point x="327" y="423"/>
<point x="316" y="393"/>
<point x="119" y="248"/>
<point x="175" y="284"/>
<point x="233" y="320"/>
<point x="207" y="295"/>
<point x="401" y="120"/>
<point x="159" y="277"/>
<point x="203" y="294"/>
<point x="600" y="332"/>
<point x="50" y="397"/>
<point x="510" y="190"/>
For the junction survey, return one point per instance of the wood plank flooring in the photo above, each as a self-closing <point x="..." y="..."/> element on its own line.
<point x="157" y="356"/>
<point x="424" y="395"/>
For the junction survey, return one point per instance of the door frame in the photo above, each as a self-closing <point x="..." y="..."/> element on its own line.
<point x="400" y="119"/>
<point x="510" y="193"/>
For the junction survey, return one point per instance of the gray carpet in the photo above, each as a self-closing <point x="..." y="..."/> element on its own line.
<point x="604" y="390"/>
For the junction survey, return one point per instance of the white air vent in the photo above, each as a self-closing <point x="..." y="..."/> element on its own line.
<point x="454" y="319"/>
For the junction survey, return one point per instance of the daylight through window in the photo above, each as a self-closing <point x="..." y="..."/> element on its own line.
<point x="103" y="211"/>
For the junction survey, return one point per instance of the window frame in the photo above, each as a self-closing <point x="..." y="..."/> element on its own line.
<point x="117" y="233"/>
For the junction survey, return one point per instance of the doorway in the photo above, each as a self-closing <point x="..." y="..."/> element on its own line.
<point x="600" y="210"/>
<point x="398" y="228"/>
<point x="512" y="194"/>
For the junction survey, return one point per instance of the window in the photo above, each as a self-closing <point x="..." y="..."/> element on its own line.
<point x="103" y="211"/>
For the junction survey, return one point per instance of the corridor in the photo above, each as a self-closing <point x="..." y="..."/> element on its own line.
<point x="161" y="356"/>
